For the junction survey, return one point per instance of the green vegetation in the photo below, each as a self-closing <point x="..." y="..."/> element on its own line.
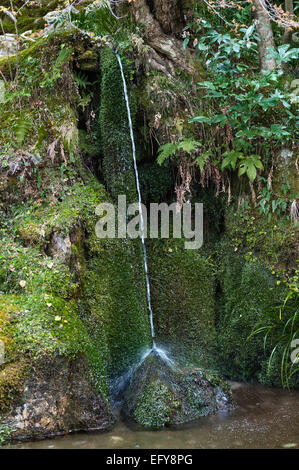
<point x="114" y="130"/>
<point x="183" y="292"/>
<point x="155" y="406"/>
<point x="219" y="129"/>
<point x="282" y="332"/>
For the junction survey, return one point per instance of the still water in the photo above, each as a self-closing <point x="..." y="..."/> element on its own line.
<point x="263" y="418"/>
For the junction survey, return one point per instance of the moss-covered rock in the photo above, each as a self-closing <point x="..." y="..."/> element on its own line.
<point x="251" y="295"/>
<point x="161" y="395"/>
<point x="89" y="60"/>
<point x="90" y="304"/>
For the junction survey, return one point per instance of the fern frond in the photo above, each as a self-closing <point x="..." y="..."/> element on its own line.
<point x="81" y="79"/>
<point x="23" y="126"/>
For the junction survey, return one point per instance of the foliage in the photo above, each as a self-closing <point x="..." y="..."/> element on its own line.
<point x="248" y="164"/>
<point x="245" y="300"/>
<point x="5" y="432"/>
<point x="184" y="146"/>
<point x="281" y="330"/>
<point x="254" y="109"/>
<point x="272" y="239"/>
<point x="268" y="205"/>
<point x="284" y="54"/>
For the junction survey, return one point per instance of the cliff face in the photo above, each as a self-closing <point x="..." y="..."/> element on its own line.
<point x="73" y="313"/>
<point x="73" y="307"/>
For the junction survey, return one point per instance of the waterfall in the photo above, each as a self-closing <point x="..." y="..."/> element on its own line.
<point x="139" y="200"/>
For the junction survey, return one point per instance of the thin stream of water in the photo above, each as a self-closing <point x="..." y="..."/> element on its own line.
<point x="139" y="200"/>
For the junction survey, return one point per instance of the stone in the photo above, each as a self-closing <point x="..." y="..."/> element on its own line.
<point x="89" y="61"/>
<point x="61" y="247"/>
<point x="161" y="395"/>
<point x="8" y="45"/>
<point x="58" y="398"/>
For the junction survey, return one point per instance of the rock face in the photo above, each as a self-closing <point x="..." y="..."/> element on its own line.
<point x="57" y="399"/>
<point x="159" y="395"/>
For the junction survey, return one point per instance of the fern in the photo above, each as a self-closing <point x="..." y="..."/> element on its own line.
<point x="165" y="151"/>
<point x="23" y="126"/>
<point x="188" y="145"/>
<point x="81" y="79"/>
<point x="185" y="145"/>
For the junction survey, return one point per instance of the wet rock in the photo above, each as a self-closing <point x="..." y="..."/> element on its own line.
<point x="160" y="395"/>
<point x="89" y="61"/>
<point x="61" y="247"/>
<point x="58" y="398"/>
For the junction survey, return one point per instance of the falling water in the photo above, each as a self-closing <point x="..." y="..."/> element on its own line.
<point x="162" y="353"/>
<point x="139" y="200"/>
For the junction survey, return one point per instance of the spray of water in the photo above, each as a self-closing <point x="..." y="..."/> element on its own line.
<point x="159" y="351"/>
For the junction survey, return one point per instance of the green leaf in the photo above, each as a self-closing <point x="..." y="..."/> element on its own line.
<point x="202" y="159"/>
<point x="186" y="42"/>
<point x="242" y="170"/>
<point x="221" y="118"/>
<point x="165" y="151"/>
<point x="251" y="172"/>
<point x="189" y="145"/>
<point x="201" y="119"/>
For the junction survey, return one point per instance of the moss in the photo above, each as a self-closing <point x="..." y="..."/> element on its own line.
<point x="98" y="308"/>
<point x="160" y="394"/>
<point x="155" y="181"/>
<point x="11" y="382"/>
<point x="273" y="241"/>
<point x="250" y="294"/>
<point x="46" y="312"/>
<point x="155" y="405"/>
<point x="89" y="60"/>
<point x="78" y="204"/>
<point x="116" y="295"/>
<point x="92" y="302"/>
<point x="183" y="289"/>
<point x="114" y="129"/>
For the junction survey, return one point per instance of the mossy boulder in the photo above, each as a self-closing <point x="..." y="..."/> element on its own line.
<point x="161" y="395"/>
<point x="87" y="304"/>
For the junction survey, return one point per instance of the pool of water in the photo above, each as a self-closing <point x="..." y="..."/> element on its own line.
<point x="263" y="418"/>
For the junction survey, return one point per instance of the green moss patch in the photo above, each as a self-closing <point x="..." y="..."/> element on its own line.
<point x="182" y="284"/>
